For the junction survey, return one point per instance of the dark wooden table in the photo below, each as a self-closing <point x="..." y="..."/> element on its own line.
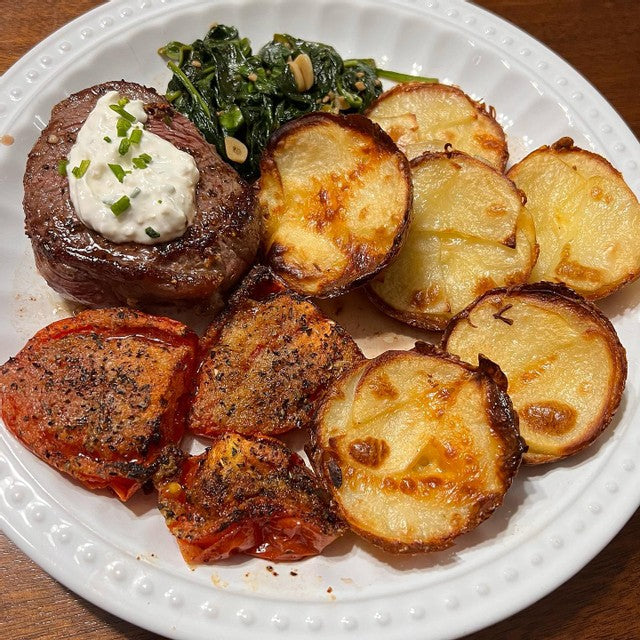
<point x="598" y="37"/>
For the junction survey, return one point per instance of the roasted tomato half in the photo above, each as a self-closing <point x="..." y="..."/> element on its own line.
<point x="246" y="495"/>
<point x="98" y="396"/>
<point x="266" y="361"/>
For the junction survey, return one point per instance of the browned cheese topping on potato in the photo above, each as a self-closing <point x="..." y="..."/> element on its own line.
<point x="423" y="117"/>
<point x="587" y="219"/>
<point x="469" y="232"/>
<point x="266" y="361"/>
<point x="565" y="366"/>
<point x="335" y="196"/>
<point x="417" y="447"/>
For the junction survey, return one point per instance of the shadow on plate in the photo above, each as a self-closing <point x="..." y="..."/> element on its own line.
<point x="621" y="302"/>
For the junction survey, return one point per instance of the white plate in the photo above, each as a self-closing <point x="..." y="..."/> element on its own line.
<point x="121" y="557"/>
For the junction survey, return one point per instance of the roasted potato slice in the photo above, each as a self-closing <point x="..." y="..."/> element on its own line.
<point x="417" y="447"/>
<point x="423" y="117"/>
<point x="469" y="233"/>
<point x="99" y="395"/>
<point x="565" y="365"/>
<point x="334" y="196"/>
<point x="266" y="361"/>
<point x="586" y="217"/>
<point x="245" y="494"/>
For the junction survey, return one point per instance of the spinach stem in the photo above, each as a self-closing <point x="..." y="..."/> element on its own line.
<point x="402" y="77"/>
<point x="354" y="62"/>
<point x="188" y="85"/>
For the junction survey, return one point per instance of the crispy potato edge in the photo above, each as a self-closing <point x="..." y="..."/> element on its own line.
<point x="502" y="414"/>
<point x="432" y="323"/>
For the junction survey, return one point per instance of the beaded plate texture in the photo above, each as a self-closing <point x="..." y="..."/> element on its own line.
<point x="121" y="557"/>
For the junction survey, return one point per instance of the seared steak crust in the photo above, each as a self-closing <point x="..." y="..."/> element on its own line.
<point x="83" y="265"/>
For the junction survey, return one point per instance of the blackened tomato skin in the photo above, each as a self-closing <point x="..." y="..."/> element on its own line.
<point x="278" y="540"/>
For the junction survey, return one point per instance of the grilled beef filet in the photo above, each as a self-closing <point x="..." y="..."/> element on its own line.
<point x="83" y="265"/>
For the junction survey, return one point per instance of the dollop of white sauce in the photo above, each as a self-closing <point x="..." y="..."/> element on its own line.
<point x="161" y="195"/>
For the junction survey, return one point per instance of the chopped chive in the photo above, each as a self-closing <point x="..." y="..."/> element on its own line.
<point x="118" y="171"/>
<point x="120" y="206"/>
<point x="123" y="101"/>
<point x="135" y="192"/>
<point x="124" y="146"/>
<point x="122" y="112"/>
<point x="62" y="167"/>
<point x="78" y="172"/>
<point x="123" y="125"/>
<point x="107" y="139"/>
<point x="142" y="161"/>
<point x="151" y="232"/>
<point x="136" y="136"/>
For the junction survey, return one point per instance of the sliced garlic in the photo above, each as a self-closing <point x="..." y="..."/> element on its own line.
<point x="297" y="75"/>
<point x="306" y="68"/>
<point x="302" y="71"/>
<point x="236" y="151"/>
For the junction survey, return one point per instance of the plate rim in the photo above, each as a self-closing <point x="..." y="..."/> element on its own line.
<point x="128" y="610"/>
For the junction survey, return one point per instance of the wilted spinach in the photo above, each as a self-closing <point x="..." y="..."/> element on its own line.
<point x="228" y="91"/>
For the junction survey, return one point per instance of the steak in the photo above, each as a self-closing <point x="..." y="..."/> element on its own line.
<point x="80" y="264"/>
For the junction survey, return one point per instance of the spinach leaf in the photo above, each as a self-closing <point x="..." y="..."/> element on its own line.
<point x="227" y="90"/>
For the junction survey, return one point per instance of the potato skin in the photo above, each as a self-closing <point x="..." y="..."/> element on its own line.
<point x="266" y="361"/>
<point x="503" y="422"/>
<point x="564" y="297"/>
<point x="363" y="263"/>
<point x="245" y="494"/>
<point x="99" y="395"/>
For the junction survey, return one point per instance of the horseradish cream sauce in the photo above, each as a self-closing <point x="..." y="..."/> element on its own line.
<point x="126" y="183"/>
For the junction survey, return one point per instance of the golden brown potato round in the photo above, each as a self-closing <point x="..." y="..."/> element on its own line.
<point x="417" y="447"/>
<point x="423" y="117"/>
<point x="565" y="365"/>
<point x="587" y="219"/>
<point x="266" y="360"/>
<point x="469" y="233"/>
<point x="334" y="196"/>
